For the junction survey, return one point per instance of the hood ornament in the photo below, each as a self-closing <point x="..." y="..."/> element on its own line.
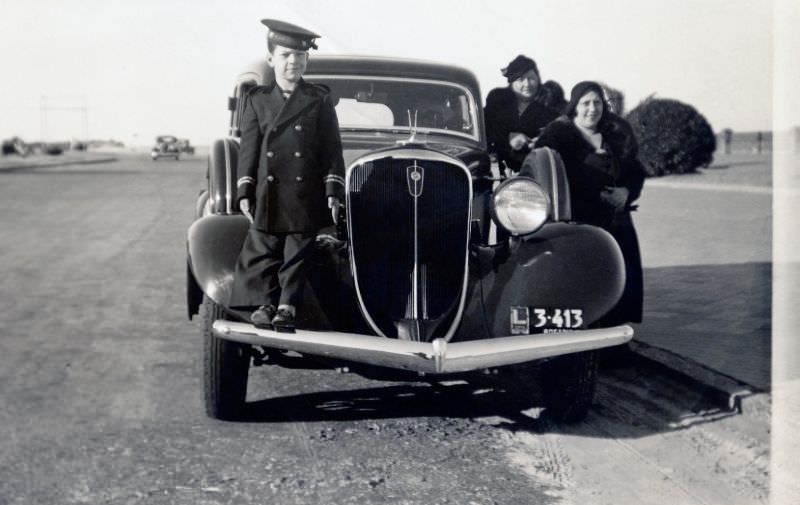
<point x="412" y="126"/>
<point x="412" y="137"/>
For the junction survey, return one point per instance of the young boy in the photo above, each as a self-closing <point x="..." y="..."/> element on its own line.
<point x="291" y="179"/>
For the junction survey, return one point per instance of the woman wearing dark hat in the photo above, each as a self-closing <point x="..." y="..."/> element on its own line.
<point x="605" y="178"/>
<point x="514" y="115"/>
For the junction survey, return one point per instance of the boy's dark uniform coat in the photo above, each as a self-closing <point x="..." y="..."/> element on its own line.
<point x="290" y="161"/>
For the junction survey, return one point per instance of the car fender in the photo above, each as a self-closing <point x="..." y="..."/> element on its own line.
<point x="563" y="265"/>
<point x="213" y="246"/>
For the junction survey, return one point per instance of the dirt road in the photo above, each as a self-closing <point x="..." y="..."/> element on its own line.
<point x="101" y="392"/>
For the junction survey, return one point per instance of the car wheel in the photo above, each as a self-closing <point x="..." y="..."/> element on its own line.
<point x="225" y="367"/>
<point x="568" y="385"/>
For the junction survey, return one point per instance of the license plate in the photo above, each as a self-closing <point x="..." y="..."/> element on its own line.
<point x="562" y="319"/>
<point x="546" y="320"/>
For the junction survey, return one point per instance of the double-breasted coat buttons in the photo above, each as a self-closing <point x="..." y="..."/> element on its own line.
<point x="292" y="158"/>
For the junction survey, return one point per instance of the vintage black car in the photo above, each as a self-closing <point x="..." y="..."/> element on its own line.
<point x="166" y="146"/>
<point x="440" y="266"/>
<point x="185" y="146"/>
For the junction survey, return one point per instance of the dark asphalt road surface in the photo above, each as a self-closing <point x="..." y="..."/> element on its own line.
<point x="101" y="393"/>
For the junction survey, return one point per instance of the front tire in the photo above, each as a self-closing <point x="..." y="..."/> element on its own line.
<point x="568" y="384"/>
<point x="225" y="367"/>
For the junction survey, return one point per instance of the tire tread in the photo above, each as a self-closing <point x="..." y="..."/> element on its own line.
<point x="225" y="368"/>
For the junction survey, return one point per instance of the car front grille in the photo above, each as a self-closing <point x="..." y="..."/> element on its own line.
<point x="408" y="216"/>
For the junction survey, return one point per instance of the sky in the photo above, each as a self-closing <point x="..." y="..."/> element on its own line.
<point x="166" y="67"/>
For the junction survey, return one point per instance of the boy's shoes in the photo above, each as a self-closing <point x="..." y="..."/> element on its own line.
<point x="283" y="321"/>
<point x="262" y="316"/>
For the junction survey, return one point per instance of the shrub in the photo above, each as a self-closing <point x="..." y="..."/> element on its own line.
<point x="673" y="137"/>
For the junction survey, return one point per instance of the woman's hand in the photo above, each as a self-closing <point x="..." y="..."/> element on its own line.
<point x="615" y="197"/>
<point x="519" y="141"/>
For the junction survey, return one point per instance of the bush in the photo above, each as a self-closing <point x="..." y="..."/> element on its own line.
<point x="673" y="137"/>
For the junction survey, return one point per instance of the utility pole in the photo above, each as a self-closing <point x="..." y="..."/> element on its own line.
<point x="43" y="119"/>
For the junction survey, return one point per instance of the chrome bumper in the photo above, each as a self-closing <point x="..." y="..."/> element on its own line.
<point x="438" y="356"/>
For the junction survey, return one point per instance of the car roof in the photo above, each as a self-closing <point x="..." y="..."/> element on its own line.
<point x="378" y="66"/>
<point x="386" y="67"/>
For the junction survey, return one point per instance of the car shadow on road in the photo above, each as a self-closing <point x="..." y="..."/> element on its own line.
<point x="632" y="401"/>
<point x="393" y="401"/>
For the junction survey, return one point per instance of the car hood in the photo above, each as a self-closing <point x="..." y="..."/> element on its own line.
<point x="356" y="145"/>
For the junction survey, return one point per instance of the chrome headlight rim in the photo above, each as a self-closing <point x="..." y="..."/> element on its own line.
<point x="542" y="201"/>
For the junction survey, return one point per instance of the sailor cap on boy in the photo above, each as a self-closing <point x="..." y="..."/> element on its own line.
<point x="289" y="35"/>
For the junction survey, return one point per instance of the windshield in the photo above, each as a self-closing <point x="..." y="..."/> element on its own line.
<point x="371" y="103"/>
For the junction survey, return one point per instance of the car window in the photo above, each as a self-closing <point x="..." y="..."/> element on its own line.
<point x="351" y="112"/>
<point x="396" y="103"/>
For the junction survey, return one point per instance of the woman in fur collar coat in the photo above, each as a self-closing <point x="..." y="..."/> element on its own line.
<point x="605" y="177"/>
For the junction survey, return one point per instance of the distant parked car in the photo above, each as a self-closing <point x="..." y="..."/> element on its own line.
<point x="54" y="149"/>
<point x="166" y="147"/>
<point x="185" y="147"/>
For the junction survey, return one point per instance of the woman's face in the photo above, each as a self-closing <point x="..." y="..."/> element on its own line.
<point x="526" y="85"/>
<point x="589" y="110"/>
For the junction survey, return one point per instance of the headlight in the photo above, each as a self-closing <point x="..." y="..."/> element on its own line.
<point x="520" y="206"/>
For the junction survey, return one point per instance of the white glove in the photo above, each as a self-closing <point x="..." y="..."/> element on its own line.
<point x="333" y="204"/>
<point x="244" y="206"/>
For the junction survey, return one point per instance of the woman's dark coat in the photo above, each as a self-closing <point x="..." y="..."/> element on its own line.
<point x="502" y="118"/>
<point x="588" y="174"/>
